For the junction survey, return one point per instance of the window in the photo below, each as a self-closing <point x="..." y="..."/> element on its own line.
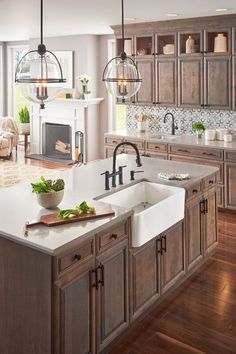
<point x="15" y="98"/>
<point x="120" y="117"/>
<point x="1" y="81"/>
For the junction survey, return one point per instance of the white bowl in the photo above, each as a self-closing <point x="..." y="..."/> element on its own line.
<point x="210" y="134"/>
<point x="51" y="199"/>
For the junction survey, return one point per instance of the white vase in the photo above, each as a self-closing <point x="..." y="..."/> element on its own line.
<point x="220" y="43"/>
<point x="189" y="44"/>
<point x="76" y="94"/>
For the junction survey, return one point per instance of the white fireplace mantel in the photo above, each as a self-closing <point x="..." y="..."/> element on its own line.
<point x="81" y="115"/>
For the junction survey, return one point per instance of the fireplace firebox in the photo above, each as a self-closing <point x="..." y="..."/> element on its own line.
<point x="56" y="141"/>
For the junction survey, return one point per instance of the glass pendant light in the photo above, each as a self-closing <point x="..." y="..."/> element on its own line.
<point x="121" y="74"/>
<point x="39" y="73"/>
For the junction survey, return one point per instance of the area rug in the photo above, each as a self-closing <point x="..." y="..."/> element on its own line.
<point x="12" y="173"/>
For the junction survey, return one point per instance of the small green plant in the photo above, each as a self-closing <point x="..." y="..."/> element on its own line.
<point x="48" y="185"/>
<point x="24" y="115"/>
<point x="198" y="127"/>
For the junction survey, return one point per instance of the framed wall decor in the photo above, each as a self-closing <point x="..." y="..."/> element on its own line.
<point x="65" y="58"/>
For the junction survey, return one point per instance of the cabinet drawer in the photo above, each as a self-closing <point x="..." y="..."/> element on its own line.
<point x="193" y="191"/>
<point x="79" y="254"/>
<point x="113" y="140"/>
<point x="152" y="146"/>
<point x="133" y="152"/>
<point x="111" y="236"/>
<point x="109" y="151"/>
<point x="139" y="143"/>
<point x="211" y="154"/>
<point x="157" y="156"/>
<point x="230" y="155"/>
<point x="209" y="181"/>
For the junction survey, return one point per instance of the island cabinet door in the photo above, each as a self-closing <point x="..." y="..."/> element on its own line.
<point x="171" y="246"/>
<point x="230" y="180"/>
<point x="112" y="294"/>
<point x="210" y="220"/>
<point x="193" y="231"/>
<point x="74" y="320"/>
<point x="145" y="278"/>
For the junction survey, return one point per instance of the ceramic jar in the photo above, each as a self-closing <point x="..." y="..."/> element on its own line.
<point x="76" y="94"/>
<point x="220" y="43"/>
<point x="220" y="133"/>
<point x="210" y="134"/>
<point x="228" y="138"/>
<point x="189" y="45"/>
<point x="142" y="126"/>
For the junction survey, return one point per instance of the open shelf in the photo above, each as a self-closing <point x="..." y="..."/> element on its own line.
<point x="197" y="42"/>
<point x="166" y="44"/>
<point x="144" y="45"/>
<point x="128" y="46"/>
<point x="217" y="41"/>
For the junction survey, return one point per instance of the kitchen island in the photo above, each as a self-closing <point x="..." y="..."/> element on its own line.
<point x="76" y="288"/>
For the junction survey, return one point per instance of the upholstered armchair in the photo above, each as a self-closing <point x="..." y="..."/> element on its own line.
<point x="8" y="136"/>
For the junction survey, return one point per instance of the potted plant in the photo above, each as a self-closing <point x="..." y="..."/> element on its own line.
<point x="24" y="117"/>
<point x="49" y="193"/>
<point x="84" y="79"/>
<point x="198" y="128"/>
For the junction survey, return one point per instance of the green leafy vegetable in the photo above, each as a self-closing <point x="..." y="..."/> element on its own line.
<point x="46" y="186"/>
<point x="197" y="126"/>
<point x="83" y="208"/>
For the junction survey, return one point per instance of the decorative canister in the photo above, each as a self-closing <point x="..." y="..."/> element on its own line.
<point x="189" y="45"/>
<point x="220" y="133"/>
<point x="210" y="134"/>
<point x="142" y="126"/>
<point x="220" y="43"/>
<point x="228" y="138"/>
<point x="76" y="94"/>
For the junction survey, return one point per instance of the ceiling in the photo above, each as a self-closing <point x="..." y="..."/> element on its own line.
<point x="19" y="20"/>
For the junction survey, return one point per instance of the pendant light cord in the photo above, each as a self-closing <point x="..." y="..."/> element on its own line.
<point x="41" y="23"/>
<point x="123" y="31"/>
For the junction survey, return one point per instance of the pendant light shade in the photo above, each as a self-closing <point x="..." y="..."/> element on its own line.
<point x="39" y="73"/>
<point x="121" y="74"/>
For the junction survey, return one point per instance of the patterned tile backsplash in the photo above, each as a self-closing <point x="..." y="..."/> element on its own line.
<point x="183" y="117"/>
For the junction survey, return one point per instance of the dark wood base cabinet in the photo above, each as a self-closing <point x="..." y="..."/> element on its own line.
<point x="81" y="300"/>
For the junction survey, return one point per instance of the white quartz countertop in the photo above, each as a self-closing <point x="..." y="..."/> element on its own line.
<point x="177" y="139"/>
<point x="18" y="204"/>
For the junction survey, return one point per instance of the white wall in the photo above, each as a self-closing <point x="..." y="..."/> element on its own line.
<point x="85" y="48"/>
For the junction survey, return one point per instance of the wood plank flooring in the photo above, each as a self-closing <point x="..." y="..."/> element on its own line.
<point x="200" y="316"/>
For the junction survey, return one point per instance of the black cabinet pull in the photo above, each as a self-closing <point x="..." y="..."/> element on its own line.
<point x="203" y="207"/>
<point x="195" y="191"/>
<point x="101" y="280"/>
<point x="208" y="154"/>
<point x="182" y="150"/>
<point x="94" y="284"/>
<point x="157" y="147"/>
<point x="159" y="249"/>
<point x="114" y="236"/>
<point x="211" y="182"/>
<point x="206" y="206"/>
<point x="163" y="247"/>
<point x="77" y="257"/>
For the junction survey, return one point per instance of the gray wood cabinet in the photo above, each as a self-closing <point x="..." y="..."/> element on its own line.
<point x="190" y="81"/>
<point x="218" y="81"/>
<point x="146" y="94"/>
<point x="172" y="245"/>
<point x="166" y="81"/>
<point x="210" y="221"/>
<point x="230" y="185"/>
<point x="112" y="295"/>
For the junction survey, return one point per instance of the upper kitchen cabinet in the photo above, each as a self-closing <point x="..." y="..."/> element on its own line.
<point x="217" y="42"/>
<point x="128" y="45"/>
<point x="218" y="82"/>
<point x="144" y="45"/>
<point x="190" y="43"/>
<point x="166" y="81"/>
<point x="190" y="83"/>
<point x="145" y="95"/>
<point x="166" y="44"/>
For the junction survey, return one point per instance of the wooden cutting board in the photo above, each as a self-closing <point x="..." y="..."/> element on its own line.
<point x="54" y="220"/>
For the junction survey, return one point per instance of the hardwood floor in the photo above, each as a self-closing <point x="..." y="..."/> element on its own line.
<point x="200" y="316"/>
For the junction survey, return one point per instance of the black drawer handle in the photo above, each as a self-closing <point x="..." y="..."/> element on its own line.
<point x="208" y="154"/>
<point x="195" y="191"/>
<point x="77" y="257"/>
<point x="211" y="181"/>
<point x="181" y="150"/>
<point x="114" y="141"/>
<point x="114" y="236"/>
<point x="163" y="247"/>
<point x="157" y="147"/>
